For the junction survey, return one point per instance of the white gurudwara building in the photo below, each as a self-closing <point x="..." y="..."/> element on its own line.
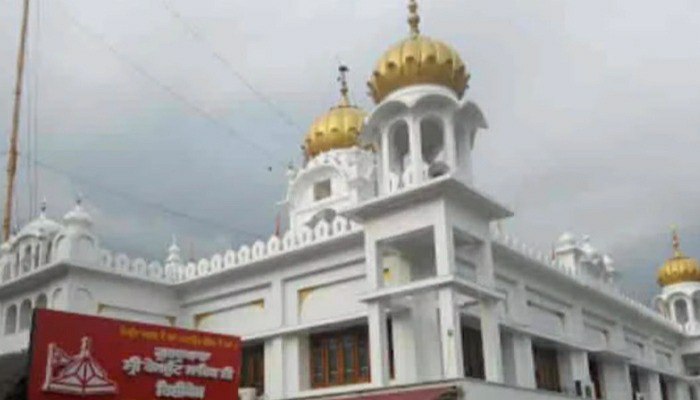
<point x="393" y="275"/>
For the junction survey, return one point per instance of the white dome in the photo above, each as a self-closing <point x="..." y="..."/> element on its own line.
<point x="41" y="226"/>
<point x="78" y="216"/>
<point x="566" y="239"/>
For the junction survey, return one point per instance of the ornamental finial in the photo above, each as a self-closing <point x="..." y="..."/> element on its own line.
<point x="42" y="207"/>
<point x="413" y="18"/>
<point x="676" y="242"/>
<point x="343" y="79"/>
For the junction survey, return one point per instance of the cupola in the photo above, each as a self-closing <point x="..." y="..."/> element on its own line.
<point x="339" y="127"/>
<point x="679" y="268"/>
<point x="418" y="60"/>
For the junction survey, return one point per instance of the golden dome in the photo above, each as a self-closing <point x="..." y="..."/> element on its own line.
<point x="418" y="60"/>
<point x="339" y="128"/>
<point x="678" y="268"/>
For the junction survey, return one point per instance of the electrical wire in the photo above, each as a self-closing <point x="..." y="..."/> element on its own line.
<point x="197" y="35"/>
<point x="136" y="200"/>
<point x="166" y="88"/>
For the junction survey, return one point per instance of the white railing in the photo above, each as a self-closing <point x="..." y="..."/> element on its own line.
<point x="274" y="246"/>
<point x="599" y="285"/>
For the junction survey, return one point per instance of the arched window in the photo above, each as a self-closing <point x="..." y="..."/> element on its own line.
<point x="11" y="320"/>
<point x="398" y="147"/>
<point x="25" y="315"/>
<point x="48" y="251"/>
<point x="27" y="259"/>
<point x="41" y="301"/>
<point x="681" y="309"/>
<point x="432" y="140"/>
<point x="37" y="260"/>
<point x="696" y="306"/>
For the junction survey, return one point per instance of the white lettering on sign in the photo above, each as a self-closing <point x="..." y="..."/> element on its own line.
<point x="177" y="363"/>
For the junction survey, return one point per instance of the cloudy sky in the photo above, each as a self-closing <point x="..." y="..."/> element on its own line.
<point x="593" y="108"/>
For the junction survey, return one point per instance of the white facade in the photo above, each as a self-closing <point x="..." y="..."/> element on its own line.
<point x="397" y="237"/>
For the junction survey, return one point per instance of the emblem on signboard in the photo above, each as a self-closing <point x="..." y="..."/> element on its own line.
<point x="78" y="374"/>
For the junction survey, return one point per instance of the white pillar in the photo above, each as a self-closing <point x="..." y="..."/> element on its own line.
<point x="679" y="390"/>
<point x="426" y="331"/>
<point x="491" y="341"/>
<point x="386" y="151"/>
<point x="444" y="247"/>
<point x="450" y="144"/>
<point x="616" y="380"/>
<point x="378" y="344"/>
<point x="405" y="347"/>
<point x="416" y="150"/>
<point x="450" y="335"/>
<point x="518" y="360"/>
<point x="574" y="367"/>
<point x="650" y="385"/>
<point x="274" y="368"/>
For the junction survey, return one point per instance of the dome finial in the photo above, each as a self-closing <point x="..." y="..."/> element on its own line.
<point x="343" y="79"/>
<point x="43" y="207"/>
<point x="413" y="18"/>
<point x="676" y="242"/>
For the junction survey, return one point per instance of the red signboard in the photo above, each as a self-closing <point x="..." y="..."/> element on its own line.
<point x="78" y="356"/>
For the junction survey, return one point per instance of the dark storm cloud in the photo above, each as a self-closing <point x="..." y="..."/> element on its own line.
<point x="592" y="107"/>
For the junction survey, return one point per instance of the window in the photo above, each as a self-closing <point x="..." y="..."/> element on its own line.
<point x="340" y="357"/>
<point x="398" y="148"/>
<point x="25" y="315"/>
<point x="473" y="352"/>
<point x="546" y="368"/>
<point x="634" y="381"/>
<point x="594" y="372"/>
<point x="11" y="320"/>
<point x="322" y="190"/>
<point x="664" y="388"/>
<point x="253" y="368"/>
<point x="41" y="301"/>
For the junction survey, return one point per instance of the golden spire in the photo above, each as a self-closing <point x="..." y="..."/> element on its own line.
<point x="343" y="79"/>
<point x="676" y="242"/>
<point x="413" y="18"/>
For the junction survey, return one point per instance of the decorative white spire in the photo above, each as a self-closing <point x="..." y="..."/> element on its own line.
<point x="174" y="256"/>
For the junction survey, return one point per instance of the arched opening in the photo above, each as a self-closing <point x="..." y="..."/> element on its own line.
<point x="327" y="214"/>
<point x="432" y="140"/>
<point x="48" y="252"/>
<point x="27" y="259"/>
<point x="41" y="301"/>
<point x="398" y="148"/>
<point x="25" y="315"/>
<point x="11" y="320"/>
<point x="6" y="271"/>
<point x="681" y="310"/>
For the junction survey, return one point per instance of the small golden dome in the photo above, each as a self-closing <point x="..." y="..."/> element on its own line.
<point x="339" y="128"/>
<point x="678" y="268"/>
<point x="418" y="60"/>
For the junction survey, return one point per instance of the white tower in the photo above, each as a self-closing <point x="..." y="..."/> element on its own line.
<point x="428" y="226"/>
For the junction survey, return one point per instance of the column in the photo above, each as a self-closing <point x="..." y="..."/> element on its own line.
<point x="451" y="335"/>
<point x="491" y="340"/>
<point x="444" y="246"/>
<point x="518" y="360"/>
<point x="650" y="385"/>
<point x="378" y="344"/>
<point x="679" y="390"/>
<point x="416" y="150"/>
<point x="616" y="380"/>
<point x="386" y="151"/>
<point x="450" y="144"/>
<point x="406" y="347"/>
<point x="274" y="368"/>
<point x="274" y="348"/>
<point x="574" y="367"/>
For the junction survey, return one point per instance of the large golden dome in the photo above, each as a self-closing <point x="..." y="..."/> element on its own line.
<point x="418" y="60"/>
<point x="678" y="268"/>
<point x="339" y="128"/>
